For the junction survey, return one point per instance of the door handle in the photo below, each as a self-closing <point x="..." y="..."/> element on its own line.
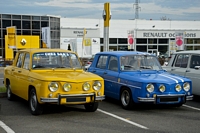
<point x="13" y="69"/>
<point x="94" y="71"/>
<point x="187" y="71"/>
<point x="19" y="71"/>
<point x="105" y="73"/>
<point x="172" y="69"/>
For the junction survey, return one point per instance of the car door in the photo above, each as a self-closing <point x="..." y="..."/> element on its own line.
<point x="111" y="77"/>
<point x="24" y="76"/>
<point x="194" y="73"/>
<point x="180" y="64"/>
<point x="16" y="73"/>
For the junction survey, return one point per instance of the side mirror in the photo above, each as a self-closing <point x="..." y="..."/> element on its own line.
<point x="197" y="67"/>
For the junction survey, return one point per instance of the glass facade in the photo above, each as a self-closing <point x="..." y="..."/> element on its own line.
<point x="29" y="25"/>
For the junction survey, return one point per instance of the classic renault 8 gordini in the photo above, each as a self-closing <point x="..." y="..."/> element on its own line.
<point x="137" y="77"/>
<point x="52" y="76"/>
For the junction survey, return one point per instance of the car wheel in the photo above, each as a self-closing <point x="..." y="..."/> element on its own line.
<point x="91" y="107"/>
<point x="126" y="99"/>
<point x="9" y="93"/>
<point x="35" y="107"/>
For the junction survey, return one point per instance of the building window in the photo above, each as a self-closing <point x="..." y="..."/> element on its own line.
<point x="44" y="24"/>
<point x="36" y="25"/>
<point x="44" y="18"/>
<point x="112" y="40"/>
<point x="16" y="16"/>
<point x="35" y="17"/>
<point x="122" y="41"/>
<point x="6" y="23"/>
<point x="19" y="32"/>
<point x="123" y="48"/>
<point x="152" y="41"/>
<point x="141" y="48"/>
<point x="35" y="32"/>
<point x="141" y="41"/>
<point x="101" y="40"/>
<point x="26" y="17"/>
<point x="17" y="23"/>
<point x="6" y="16"/>
<point x="26" y="32"/>
<point x="26" y="25"/>
<point x="193" y="41"/>
<point x="162" y="41"/>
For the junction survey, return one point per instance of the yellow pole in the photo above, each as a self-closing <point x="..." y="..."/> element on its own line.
<point x="106" y="17"/>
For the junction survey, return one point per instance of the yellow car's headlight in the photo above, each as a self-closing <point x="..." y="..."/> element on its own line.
<point x="162" y="88"/>
<point x="178" y="88"/>
<point x="86" y="86"/>
<point x="67" y="87"/>
<point x="150" y="88"/>
<point x="97" y="85"/>
<point x="53" y="86"/>
<point x="186" y="86"/>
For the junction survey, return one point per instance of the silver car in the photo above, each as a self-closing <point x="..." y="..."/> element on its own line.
<point x="187" y="64"/>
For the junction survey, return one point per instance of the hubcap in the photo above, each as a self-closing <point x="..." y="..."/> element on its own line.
<point x="125" y="98"/>
<point x="33" y="101"/>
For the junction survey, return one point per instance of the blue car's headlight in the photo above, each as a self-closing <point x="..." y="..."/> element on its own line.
<point x="161" y="88"/>
<point x="150" y="88"/>
<point x="178" y="88"/>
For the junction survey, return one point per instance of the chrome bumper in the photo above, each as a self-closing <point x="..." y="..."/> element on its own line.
<point x="57" y="100"/>
<point x="141" y="99"/>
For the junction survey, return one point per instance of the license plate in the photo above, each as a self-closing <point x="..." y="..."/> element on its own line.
<point x="76" y="99"/>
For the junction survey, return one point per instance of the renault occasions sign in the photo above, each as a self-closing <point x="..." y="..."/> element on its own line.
<point x="165" y="34"/>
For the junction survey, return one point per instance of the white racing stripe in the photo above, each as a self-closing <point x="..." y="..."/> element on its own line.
<point x="169" y="78"/>
<point x="125" y="120"/>
<point x="6" y="128"/>
<point x="191" y="107"/>
<point x="176" y="77"/>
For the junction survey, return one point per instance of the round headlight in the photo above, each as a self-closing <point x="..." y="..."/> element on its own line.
<point x="67" y="87"/>
<point x="86" y="86"/>
<point x="186" y="86"/>
<point x="150" y="88"/>
<point x="178" y="87"/>
<point x="162" y="88"/>
<point x="97" y="85"/>
<point x="53" y="86"/>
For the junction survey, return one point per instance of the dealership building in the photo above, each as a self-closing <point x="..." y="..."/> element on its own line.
<point x="153" y="36"/>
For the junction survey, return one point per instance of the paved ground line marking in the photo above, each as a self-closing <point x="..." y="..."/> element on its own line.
<point x="191" y="107"/>
<point x="6" y="128"/>
<point x="120" y="118"/>
<point x="1" y="78"/>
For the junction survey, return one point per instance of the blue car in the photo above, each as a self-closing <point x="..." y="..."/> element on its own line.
<point x="137" y="77"/>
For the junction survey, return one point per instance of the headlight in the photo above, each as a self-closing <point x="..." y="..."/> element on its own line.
<point x="162" y="88"/>
<point x="53" y="86"/>
<point x="150" y="88"/>
<point x="86" y="86"/>
<point x="178" y="87"/>
<point x="67" y="87"/>
<point x="97" y="85"/>
<point x="186" y="86"/>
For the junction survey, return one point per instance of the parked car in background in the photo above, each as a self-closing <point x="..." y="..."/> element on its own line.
<point x="187" y="64"/>
<point x="52" y="76"/>
<point x="5" y="63"/>
<point x="137" y="77"/>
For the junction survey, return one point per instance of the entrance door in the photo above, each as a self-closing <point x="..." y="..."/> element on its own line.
<point x="153" y="51"/>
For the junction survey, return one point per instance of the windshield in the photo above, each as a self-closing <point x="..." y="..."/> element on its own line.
<point x="55" y="60"/>
<point x="139" y="62"/>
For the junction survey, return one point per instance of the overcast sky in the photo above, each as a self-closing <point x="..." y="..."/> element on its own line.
<point x="120" y="9"/>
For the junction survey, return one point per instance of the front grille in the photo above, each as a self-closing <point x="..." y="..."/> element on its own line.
<point x="169" y="99"/>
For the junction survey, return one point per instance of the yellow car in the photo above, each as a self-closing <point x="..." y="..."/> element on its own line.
<point x="52" y="76"/>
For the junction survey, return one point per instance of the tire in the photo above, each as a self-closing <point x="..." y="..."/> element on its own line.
<point x="35" y="107"/>
<point x="126" y="99"/>
<point x="91" y="107"/>
<point x="10" y="96"/>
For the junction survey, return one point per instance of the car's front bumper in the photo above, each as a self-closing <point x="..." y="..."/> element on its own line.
<point x="73" y="98"/>
<point x="172" y="98"/>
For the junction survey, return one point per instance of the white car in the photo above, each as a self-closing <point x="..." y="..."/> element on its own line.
<point x="187" y="64"/>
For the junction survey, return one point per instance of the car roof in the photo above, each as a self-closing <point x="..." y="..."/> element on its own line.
<point x="188" y="51"/>
<point x="35" y="50"/>
<point x="123" y="53"/>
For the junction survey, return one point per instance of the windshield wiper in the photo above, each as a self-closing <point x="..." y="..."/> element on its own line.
<point x="146" y="67"/>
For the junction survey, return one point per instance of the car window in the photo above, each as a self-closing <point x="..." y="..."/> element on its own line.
<point x="182" y="60"/>
<point x="102" y="62"/>
<point x="20" y="59"/>
<point x="195" y="61"/>
<point x="26" y="61"/>
<point x="113" y="63"/>
<point x="55" y="60"/>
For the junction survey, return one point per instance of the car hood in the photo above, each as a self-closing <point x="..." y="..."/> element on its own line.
<point x="72" y="76"/>
<point x="154" y="77"/>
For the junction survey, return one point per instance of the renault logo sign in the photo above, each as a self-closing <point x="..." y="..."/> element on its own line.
<point x="23" y="42"/>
